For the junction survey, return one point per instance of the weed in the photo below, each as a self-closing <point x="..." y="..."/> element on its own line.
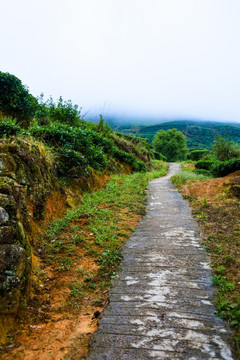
<point x="105" y="284"/>
<point x="77" y="239"/>
<point x="74" y="228"/>
<point x="76" y="290"/>
<point x="97" y="302"/>
<point x="65" y="264"/>
<point x="221" y="270"/>
<point x="224" y="284"/>
<point x="109" y="259"/>
<point x="204" y="202"/>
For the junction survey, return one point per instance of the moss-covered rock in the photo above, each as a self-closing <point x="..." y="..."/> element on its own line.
<point x="4" y="217"/>
<point x="6" y="235"/>
<point x="12" y="266"/>
<point x="26" y="179"/>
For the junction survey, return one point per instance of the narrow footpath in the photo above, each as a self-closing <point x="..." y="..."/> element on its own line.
<point x="161" y="305"/>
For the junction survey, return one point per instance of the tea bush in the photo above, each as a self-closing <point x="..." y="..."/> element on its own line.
<point x="63" y="111"/>
<point x="69" y="141"/>
<point x="196" y="155"/>
<point x="205" y="164"/>
<point x="15" y="100"/>
<point x="223" y="168"/>
<point x="8" y="127"/>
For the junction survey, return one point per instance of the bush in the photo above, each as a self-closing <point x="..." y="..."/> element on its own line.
<point x="224" y="168"/>
<point x="159" y="156"/>
<point x="206" y="173"/>
<point x="64" y="111"/>
<point x="204" y="164"/>
<point x="93" y="146"/>
<point x="8" y="127"/>
<point x="89" y="144"/>
<point x="15" y="99"/>
<point x="71" y="163"/>
<point x="225" y="150"/>
<point x="196" y="155"/>
<point x="128" y="158"/>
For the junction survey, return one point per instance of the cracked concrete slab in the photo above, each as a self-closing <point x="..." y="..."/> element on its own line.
<point x="161" y="305"/>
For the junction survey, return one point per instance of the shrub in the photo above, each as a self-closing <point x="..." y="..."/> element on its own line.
<point x="103" y="127"/>
<point x="71" y="163"/>
<point x="93" y="146"/>
<point x="128" y="158"/>
<point x="64" y="112"/>
<point x="8" y="127"/>
<point x="204" y="164"/>
<point x="206" y="173"/>
<point x="196" y="155"/>
<point x="225" y="150"/>
<point x="15" y="99"/>
<point x="61" y="136"/>
<point x="159" y="156"/>
<point x="224" y="168"/>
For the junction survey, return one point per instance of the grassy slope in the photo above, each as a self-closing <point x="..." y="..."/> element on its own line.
<point x="199" y="134"/>
<point x="218" y="214"/>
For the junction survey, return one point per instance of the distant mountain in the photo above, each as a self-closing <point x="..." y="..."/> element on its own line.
<point x="199" y="134"/>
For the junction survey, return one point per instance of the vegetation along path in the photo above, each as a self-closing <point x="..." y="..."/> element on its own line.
<point x="161" y="304"/>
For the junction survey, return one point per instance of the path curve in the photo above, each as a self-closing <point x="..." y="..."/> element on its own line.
<point x="161" y="304"/>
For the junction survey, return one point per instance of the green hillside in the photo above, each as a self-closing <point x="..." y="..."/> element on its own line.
<point x="200" y="134"/>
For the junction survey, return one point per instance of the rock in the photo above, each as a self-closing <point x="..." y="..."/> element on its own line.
<point x="6" y="235"/>
<point x="13" y="259"/>
<point x="7" y="162"/>
<point x="4" y="217"/>
<point x="96" y="315"/>
<point x="6" y="185"/>
<point x="12" y="266"/>
<point x="9" y="204"/>
<point x="9" y="294"/>
<point x="19" y="234"/>
<point x="2" y="167"/>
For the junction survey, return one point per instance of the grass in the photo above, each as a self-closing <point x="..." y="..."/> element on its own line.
<point x="186" y="174"/>
<point x="96" y="230"/>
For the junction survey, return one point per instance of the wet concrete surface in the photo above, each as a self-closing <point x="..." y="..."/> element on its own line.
<point x="161" y="305"/>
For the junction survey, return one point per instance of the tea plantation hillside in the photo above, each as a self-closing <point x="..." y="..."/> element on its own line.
<point x="199" y="134"/>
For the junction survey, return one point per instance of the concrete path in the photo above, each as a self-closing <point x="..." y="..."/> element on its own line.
<point x="161" y="304"/>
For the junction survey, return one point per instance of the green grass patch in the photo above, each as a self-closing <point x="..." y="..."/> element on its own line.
<point x="105" y="230"/>
<point x="186" y="175"/>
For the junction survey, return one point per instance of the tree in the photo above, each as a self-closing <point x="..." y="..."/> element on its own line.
<point x="170" y="143"/>
<point x="15" y="100"/>
<point x="225" y="150"/>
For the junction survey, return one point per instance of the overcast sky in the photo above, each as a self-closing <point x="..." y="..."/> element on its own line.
<point x="146" y="58"/>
